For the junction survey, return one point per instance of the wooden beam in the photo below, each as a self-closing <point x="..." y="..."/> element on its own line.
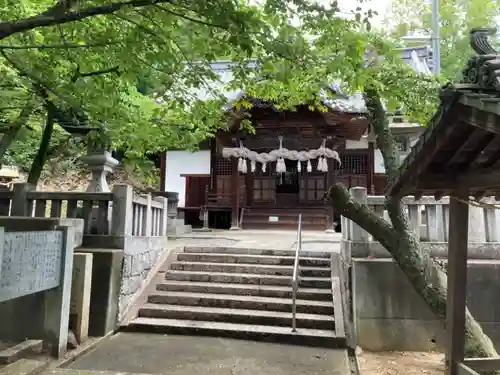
<point x="475" y="179"/>
<point x="463" y="369"/>
<point x="235" y="194"/>
<point x="195" y="175"/>
<point x="457" y="280"/>
<point x="483" y="364"/>
<point x="422" y="154"/>
<point x="481" y="119"/>
<point x="481" y="139"/>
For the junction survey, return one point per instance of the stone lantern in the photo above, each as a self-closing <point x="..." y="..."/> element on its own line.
<point x="99" y="161"/>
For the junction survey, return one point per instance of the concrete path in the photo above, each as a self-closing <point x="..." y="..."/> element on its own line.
<point x="186" y="355"/>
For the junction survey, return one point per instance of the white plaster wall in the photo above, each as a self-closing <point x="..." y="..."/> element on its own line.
<point x="362" y="143"/>
<point x="184" y="162"/>
<point x="378" y="162"/>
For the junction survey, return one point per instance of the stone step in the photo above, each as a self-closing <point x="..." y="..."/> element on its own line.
<point x="23" y="349"/>
<point x="240" y="316"/>
<point x="324" y="294"/>
<point x="303" y="336"/>
<point x="250" y="268"/>
<point x="282" y="225"/>
<point x="24" y="367"/>
<point x="247" y="278"/>
<point x="240" y="302"/>
<point x="242" y="250"/>
<point x="67" y="371"/>
<point x="251" y="259"/>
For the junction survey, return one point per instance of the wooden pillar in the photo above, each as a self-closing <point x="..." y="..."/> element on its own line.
<point x="249" y="188"/>
<point x="457" y="281"/>
<point x="329" y="182"/>
<point x="163" y="171"/>
<point x="235" y="194"/>
<point x="213" y="165"/>
<point x="371" y="168"/>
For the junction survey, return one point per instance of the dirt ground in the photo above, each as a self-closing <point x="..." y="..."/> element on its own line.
<point x="395" y="363"/>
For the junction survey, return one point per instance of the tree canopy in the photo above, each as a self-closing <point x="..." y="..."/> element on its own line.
<point x="103" y="62"/>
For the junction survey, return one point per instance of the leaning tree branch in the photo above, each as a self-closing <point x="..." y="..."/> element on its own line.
<point x="52" y="18"/>
<point x="361" y="214"/>
<point x="78" y="74"/>
<point x="54" y="46"/>
<point x="387" y="146"/>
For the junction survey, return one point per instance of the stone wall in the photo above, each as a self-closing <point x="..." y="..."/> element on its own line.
<point x="141" y="254"/>
<point x="390" y="315"/>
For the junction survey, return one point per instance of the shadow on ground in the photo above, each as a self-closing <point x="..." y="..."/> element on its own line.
<point x="186" y="355"/>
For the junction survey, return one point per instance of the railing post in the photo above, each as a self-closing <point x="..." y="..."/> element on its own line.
<point x="164" y="218"/>
<point x="148" y="225"/>
<point x="415" y="217"/>
<point x="491" y="219"/>
<point x="121" y="222"/>
<point x="435" y="223"/>
<point x="358" y="234"/>
<point x="21" y="206"/>
<point x="477" y="232"/>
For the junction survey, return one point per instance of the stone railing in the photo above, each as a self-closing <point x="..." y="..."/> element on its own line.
<point x="149" y="216"/>
<point x="126" y="234"/>
<point x="119" y="212"/>
<point x="429" y="218"/>
<point x="387" y="313"/>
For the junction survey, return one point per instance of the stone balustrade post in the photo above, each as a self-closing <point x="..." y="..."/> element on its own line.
<point x="492" y="220"/>
<point x="148" y="225"/>
<point x="358" y="234"/>
<point x="435" y="223"/>
<point x="164" y="217"/>
<point x="122" y="214"/>
<point x="21" y="206"/>
<point x="477" y="232"/>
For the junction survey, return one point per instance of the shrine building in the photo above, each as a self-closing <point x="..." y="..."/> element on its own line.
<point x="264" y="180"/>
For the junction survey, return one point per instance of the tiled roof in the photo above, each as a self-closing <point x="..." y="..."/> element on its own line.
<point x="417" y="57"/>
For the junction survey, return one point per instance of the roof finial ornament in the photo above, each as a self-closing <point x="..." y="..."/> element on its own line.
<point x="479" y="41"/>
<point x="483" y="68"/>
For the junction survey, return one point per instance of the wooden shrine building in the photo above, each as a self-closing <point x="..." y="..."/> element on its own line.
<point x="264" y="179"/>
<point x="262" y="188"/>
<point x="459" y="156"/>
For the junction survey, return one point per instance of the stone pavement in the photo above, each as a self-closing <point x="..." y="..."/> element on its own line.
<point x="262" y="239"/>
<point x="186" y="355"/>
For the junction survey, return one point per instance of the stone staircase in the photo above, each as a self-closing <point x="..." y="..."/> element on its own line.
<point x="243" y="293"/>
<point x="313" y="218"/>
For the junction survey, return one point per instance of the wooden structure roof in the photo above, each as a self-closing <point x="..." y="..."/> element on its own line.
<point x="346" y="125"/>
<point x="459" y="155"/>
<point x="461" y="145"/>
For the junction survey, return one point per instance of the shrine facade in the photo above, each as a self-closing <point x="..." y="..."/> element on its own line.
<point x="268" y="177"/>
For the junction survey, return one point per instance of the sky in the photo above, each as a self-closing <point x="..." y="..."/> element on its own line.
<point x="381" y="6"/>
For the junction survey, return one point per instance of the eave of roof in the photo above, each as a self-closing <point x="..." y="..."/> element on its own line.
<point x="417" y="57"/>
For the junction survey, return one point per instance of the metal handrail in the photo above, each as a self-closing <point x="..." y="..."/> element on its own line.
<point x="240" y="224"/>
<point x="295" y="278"/>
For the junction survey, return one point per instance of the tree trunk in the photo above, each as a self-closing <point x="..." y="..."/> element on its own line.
<point x="426" y="276"/>
<point x="41" y="156"/>
<point x="14" y="128"/>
